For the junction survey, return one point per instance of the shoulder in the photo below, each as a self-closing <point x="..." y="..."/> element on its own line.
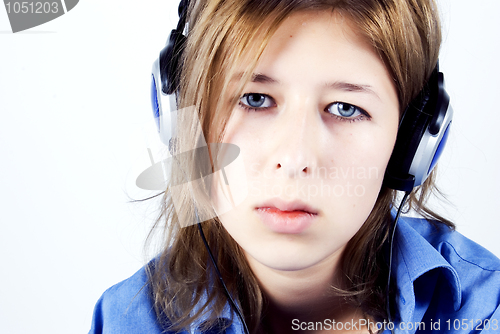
<point x="454" y="276"/>
<point x="126" y="307"/>
<point x="455" y="248"/>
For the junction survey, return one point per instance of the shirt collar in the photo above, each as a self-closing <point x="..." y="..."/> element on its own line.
<point x="417" y="257"/>
<point x="227" y="316"/>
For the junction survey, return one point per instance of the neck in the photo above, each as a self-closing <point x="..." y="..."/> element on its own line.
<point x="301" y="296"/>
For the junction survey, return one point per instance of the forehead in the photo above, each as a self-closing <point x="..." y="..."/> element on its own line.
<point x="321" y="48"/>
<point x="317" y="21"/>
<point x="306" y="32"/>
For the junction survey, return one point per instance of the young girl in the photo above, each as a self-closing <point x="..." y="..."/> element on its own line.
<point x="325" y="100"/>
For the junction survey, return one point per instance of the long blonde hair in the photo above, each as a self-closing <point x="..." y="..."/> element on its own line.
<point x="223" y="35"/>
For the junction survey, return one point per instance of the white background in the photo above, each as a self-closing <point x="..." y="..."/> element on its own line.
<point x="75" y="91"/>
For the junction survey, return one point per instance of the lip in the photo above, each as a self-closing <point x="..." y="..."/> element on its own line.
<point x="286" y="217"/>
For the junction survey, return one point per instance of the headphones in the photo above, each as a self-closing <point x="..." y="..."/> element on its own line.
<point x="422" y="133"/>
<point x="165" y="80"/>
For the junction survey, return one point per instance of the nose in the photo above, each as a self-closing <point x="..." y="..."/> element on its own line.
<point x="297" y="139"/>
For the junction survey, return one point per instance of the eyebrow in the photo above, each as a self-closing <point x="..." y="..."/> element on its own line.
<point x="262" y="78"/>
<point x="337" y="85"/>
<point x="351" y="87"/>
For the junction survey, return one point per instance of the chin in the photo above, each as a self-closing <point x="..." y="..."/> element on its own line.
<point x="292" y="258"/>
<point x="285" y="263"/>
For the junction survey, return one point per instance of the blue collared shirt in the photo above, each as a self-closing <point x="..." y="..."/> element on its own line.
<point x="446" y="284"/>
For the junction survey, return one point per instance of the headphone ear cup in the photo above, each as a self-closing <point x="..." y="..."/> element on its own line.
<point x="165" y="80"/>
<point x="164" y="106"/>
<point x="171" y="62"/>
<point x="421" y="137"/>
<point x="164" y="86"/>
<point x="411" y="130"/>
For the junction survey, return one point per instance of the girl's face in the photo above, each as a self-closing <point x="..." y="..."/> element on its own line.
<point x="316" y="127"/>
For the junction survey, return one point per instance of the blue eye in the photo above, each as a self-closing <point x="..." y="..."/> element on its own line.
<point x="345" y="110"/>
<point x="256" y="101"/>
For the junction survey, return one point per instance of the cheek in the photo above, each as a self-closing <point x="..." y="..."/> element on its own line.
<point x="357" y="164"/>
<point x="361" y="154"/>
<point x="232" y="184"/>
<point x="374" y="154"/>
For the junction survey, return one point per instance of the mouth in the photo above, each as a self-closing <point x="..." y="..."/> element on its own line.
<point x="286" y="217"/>
<point x="284" y="206"/>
